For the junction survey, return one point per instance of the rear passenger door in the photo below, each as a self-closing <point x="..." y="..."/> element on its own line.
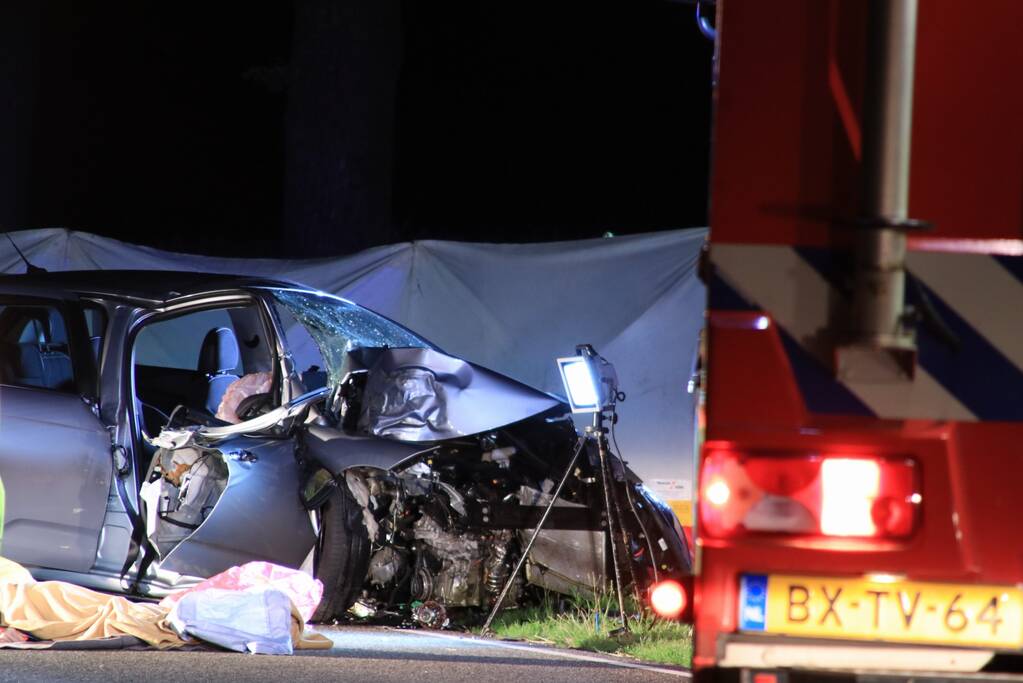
<point x="54" y="452"/>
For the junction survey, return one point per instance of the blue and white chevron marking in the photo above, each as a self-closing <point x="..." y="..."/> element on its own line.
<point x="977" y="296"/>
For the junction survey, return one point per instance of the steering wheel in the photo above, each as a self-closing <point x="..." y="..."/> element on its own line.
<point x="252" y="406"/>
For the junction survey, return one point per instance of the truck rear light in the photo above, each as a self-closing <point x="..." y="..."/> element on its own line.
<point x="718" y="492"/>
<point x="668" y="599"/>
<point x="812" y="494"/>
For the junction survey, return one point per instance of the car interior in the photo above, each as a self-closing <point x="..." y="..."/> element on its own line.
<point x="187" y="363"/>
<point x="35" y="349"/>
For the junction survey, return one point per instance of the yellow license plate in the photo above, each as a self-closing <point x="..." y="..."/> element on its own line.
<point x="890" y="610"/>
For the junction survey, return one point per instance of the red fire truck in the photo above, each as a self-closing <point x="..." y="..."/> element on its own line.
<point x="860" y="506"/>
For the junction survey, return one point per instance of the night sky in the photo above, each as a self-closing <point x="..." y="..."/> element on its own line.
<point x="320" y="127"/>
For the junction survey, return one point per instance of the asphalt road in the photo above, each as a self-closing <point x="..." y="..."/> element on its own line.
<point x="363" y="654"/>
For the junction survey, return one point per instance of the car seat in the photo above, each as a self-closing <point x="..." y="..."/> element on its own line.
<point x="29" y="365"/>
<point x="43" y="359"/>
<point x="218" y="358"/>
<point x="55" y="354"/>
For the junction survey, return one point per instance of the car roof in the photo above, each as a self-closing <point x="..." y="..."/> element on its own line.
<point x="152" y="286"/>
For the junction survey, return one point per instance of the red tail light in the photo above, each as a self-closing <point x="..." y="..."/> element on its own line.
<point x="827" y="495"/>
<point x="668" y="599"/>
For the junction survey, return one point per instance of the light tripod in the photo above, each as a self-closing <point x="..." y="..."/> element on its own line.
<point x="595" y="435"/>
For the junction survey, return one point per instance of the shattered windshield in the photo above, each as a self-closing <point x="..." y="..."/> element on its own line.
<point x="338" y="327"/>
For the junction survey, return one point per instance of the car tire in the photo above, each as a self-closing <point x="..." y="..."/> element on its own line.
<point x="342" y="554"/>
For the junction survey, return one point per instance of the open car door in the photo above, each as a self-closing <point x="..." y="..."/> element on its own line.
<point x="253" y="486"/>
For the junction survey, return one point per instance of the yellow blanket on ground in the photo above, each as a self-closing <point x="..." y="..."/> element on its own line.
<point x="54" y="610"/>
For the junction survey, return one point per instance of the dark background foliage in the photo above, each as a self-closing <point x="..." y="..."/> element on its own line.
<point x="320" y="127"/>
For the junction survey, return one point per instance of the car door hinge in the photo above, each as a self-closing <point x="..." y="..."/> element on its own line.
<point x="120" y="456"/>
<point x="92" y="404"/>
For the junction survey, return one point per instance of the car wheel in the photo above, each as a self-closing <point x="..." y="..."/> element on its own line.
<point x="342" y="554"/>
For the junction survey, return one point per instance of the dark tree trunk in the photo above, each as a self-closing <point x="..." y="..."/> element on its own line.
<point x="340" y="126"/>
<point x="19" y="40"/>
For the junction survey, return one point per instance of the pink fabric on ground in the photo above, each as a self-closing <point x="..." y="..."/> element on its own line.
<point x="305" y="591"/>
<point x="12" y="635"/>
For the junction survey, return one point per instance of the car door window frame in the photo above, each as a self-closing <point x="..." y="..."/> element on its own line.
<point x="96" y="359"/>
<point x="195" y="305"/>
<point x="290" y="374"/>
<point x="83" y="371"/>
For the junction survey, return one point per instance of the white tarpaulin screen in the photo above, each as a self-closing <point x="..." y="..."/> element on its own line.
<point x="511" y="308"/>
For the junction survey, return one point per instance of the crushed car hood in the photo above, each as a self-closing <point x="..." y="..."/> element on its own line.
<point x="416" y="394"/>
<point x="413" y="391"/>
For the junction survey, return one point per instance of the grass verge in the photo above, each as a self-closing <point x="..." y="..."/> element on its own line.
<point x="590" y="625"/>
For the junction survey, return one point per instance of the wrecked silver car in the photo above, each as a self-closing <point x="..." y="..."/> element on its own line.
<point x="159" y="428"/>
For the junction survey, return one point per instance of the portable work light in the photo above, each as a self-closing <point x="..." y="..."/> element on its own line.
<point x="591" y="384"/>
<point x="590" y="381"/>
<point x="579" y="384"/>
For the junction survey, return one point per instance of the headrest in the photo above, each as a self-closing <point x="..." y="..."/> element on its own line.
<point x="38" y="322"/>
<point x="29" y="367"/>
<point x="47" y="325"/>
<point x="219" y="352"/>
<point x="58" y="333"/>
